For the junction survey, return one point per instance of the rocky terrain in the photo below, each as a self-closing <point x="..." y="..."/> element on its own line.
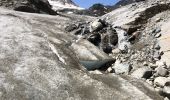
<point x="122" y="55"/>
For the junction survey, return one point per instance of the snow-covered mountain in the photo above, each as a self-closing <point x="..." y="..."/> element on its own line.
<point x="66" y="4"/>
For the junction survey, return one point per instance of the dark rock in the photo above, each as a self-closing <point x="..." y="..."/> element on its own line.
<point x="107" y="49"/>
<point x="94" y="38"/>
<point x="31" y="6"/>
<point x="157" y="46"/>
<point x="25" y="8"/>
<point x="71" y="27"/>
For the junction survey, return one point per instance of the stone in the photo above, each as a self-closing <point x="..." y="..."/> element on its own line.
<point x="160" y="71"/>
<point x="122" y="67"/>
<point x="144" y="72"/>
<point x="166" y="91"/>
<point x="71" y="27"/>
<point x="161" y="81"/>
<point x="96" y="25"/>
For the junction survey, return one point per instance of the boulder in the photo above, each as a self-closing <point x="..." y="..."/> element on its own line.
<point x="121" y="67"/>
<point x="166" y="91"/>
<point x="161" y="81"/>
<point x="160" y="71"/>
<point x="144" y="72"/>
<point x="96" y="25"/>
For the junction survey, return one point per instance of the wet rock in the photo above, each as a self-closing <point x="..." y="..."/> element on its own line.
<point x="160" y="71"/>
<point x="122" y="67"/>
<point x="89" y="55"/>
<point x="161" y="81"/>
<point x="144" y="72"/>
<point x="96" y="25"/>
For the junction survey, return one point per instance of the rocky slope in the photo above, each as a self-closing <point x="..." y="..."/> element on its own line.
<point x="122" y="55"/>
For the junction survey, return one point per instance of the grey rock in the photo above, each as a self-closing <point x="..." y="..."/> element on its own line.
<point x="144" y="72"/>
<point x="166" y="91"/>
<point x="161" y="81"/>
<point x="161" y="71"/>
<point x="122" y="67"/>
<point x="96" y="25"/>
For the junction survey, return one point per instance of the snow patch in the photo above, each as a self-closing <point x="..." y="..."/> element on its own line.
<point x="56" y="5"/>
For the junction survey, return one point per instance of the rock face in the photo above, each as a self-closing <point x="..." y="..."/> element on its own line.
<point x="32" y="6"/>
<point x="37" y="63"/>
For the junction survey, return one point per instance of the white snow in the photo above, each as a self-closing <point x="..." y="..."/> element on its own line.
<point x="56" y="5"/>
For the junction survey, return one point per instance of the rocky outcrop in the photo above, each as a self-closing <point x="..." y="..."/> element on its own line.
<point x="32" y="6"/>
